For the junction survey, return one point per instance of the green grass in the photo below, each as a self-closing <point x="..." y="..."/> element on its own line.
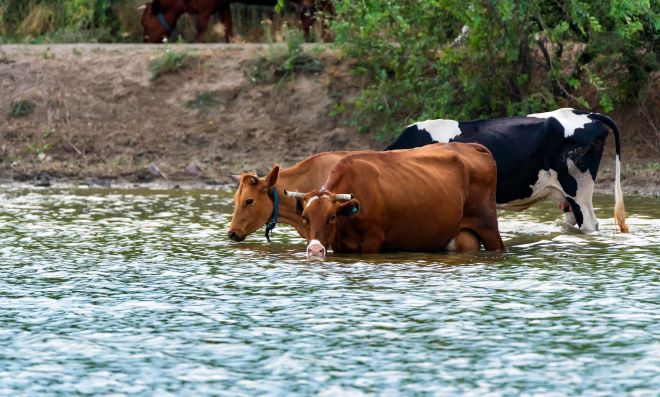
<point x="22" y="108"/>
<point x="203" y="100"/>
<point x="283" y="62"/>
<point x="170" y="62"/>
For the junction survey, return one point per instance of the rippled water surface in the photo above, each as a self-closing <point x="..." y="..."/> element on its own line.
<point x="140" y="293"/>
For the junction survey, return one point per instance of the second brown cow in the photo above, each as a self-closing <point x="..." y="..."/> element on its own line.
<point x="434" y="198"/>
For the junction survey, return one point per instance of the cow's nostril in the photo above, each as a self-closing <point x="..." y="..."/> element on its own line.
<point x="234" y="236"/>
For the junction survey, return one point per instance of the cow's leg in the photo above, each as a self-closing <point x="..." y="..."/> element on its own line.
<point x="225" y="17"/>
<point x="202" y="25"/>
<point x="569" y="217"/>
<point x="579" y="187"/>
<point x="465" y="241"/>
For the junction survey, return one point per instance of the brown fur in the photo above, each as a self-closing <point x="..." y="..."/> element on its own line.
<point x="306" y="175"/>
<point x="154" y="32"/>
<point x="407" y="200"/>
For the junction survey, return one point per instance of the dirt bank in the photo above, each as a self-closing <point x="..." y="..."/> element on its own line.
<point x="99" y="116"/>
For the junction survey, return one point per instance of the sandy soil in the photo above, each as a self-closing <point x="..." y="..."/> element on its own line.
<point x="99" y="117"/>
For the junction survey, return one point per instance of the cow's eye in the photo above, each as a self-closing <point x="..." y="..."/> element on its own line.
<point x="332" y="219"/>
<point x="249" y="202"/>
<point x="305" y="220"/>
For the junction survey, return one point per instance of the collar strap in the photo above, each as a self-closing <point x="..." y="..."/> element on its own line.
<point x="273" y="222"/>
<point x="163" y="23"/>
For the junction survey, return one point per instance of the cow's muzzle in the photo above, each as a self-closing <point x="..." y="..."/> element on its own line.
<point x="316" y="250"/>
<point x="234" y="236"/>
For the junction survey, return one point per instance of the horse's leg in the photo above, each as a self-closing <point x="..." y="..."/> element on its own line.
<point x="202" y="26"/>
<point x="225" y="17"/>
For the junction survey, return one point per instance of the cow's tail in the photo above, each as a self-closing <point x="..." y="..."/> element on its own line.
<point x="619" y="208"/>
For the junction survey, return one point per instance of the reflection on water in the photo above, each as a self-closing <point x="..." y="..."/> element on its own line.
<point x="139" y="292"/>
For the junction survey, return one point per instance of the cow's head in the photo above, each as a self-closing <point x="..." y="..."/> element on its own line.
<point x="319" y="211"/>
<point x="253" y="204"/>
<point x="157" y="20"/>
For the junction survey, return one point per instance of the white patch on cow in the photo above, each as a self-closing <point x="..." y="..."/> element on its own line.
<point x="584" y="196"/>
<point x="314" y="243"/>
<point x="569" y="120"/>
<point x="440" y="130"/>
<point x="311" y="201"/>
<point x="546" y="185"/>
<point x="451" y="246"/>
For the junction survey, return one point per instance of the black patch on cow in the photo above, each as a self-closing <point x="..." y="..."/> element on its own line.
<point x="521" y="146"/>
<point x="299" y="206"/>
<point x="411" y="137"/>
<point x="580" y="112"/>
<point x="576" y="211"/>
<point x="567" y="182"/>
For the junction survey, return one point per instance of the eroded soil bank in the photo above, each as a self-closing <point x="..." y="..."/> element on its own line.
<point x="100" y="118"/>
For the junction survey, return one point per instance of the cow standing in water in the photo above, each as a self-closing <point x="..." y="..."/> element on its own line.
<point x="554" y="154"/>
<point x="159" y="17"/>
<point x="439" y="197"/>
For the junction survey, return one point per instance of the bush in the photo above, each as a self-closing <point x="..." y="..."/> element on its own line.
<point x="469" y="59"/>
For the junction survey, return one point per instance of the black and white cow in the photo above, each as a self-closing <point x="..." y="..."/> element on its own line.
<point x="554" y="154"/>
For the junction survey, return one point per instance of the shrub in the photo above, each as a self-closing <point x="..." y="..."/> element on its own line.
<point x="469" y="59"/>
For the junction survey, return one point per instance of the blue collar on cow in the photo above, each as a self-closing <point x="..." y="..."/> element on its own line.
<point x="273" y="222"/>
<point x="164" y="24"/>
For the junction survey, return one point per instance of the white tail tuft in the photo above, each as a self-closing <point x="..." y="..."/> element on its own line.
<point x="619" y="208"/>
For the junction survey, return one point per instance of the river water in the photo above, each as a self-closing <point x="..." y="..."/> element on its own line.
<point x="138" y="292"/>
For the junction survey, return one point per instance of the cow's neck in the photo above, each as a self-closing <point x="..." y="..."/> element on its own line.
<point x="287" y="205"/>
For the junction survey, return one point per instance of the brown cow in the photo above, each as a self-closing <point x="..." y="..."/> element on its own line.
<point x="405" y="200"/>
<point x="254" y="198"/>
<point x="160" y="16"/>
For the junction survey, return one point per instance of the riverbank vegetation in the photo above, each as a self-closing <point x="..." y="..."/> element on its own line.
<point x="468" y="59"/>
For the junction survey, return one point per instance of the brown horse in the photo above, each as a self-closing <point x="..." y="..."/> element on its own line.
<point x="159" y="17"/>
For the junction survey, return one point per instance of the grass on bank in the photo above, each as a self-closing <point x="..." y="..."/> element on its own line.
<point x="171" y="61"/>
<point x="282" y="62"/>
<point x="21" y="108"/>
<point x="203" y="101"/>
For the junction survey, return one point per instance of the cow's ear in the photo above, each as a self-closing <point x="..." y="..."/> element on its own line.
<point x="299" y="206"/>
<point x="272" y="176"/>
<point x="348" y="208"/>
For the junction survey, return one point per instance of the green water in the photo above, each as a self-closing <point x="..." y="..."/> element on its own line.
<point x="134" y="292"/>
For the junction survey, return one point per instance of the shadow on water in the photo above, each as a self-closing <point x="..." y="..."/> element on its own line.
<point x="140" y="292"/>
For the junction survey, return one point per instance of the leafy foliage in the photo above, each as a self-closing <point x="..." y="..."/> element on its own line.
<point x="60" y="21"/>
<point x="468" y="59"/>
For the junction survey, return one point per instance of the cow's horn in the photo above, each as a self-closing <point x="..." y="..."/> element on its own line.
<point x="343" y="197"/>
<point x="235" y="178"/>
<point x="294" y="194"/>
<point x="142" y="7"/>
